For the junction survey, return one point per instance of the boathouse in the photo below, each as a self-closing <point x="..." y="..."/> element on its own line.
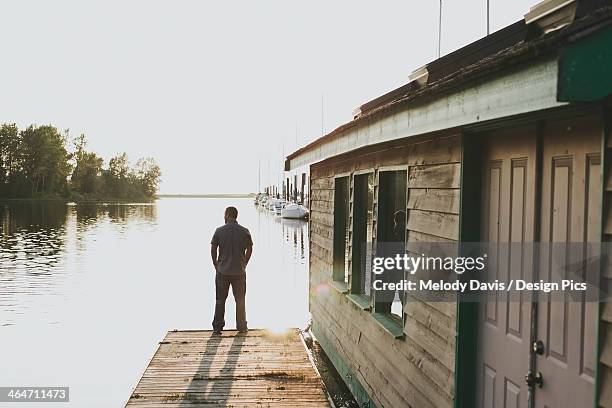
<point x="506" y="139"/>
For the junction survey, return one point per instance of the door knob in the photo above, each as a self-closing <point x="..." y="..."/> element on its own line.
<point x="538" y="347"/>
<point x="532" y="379"/>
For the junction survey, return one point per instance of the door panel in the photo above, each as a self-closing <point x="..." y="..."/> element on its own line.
<point x="571" y="201"/>
<point x="513" y="395"/>
<point x="515" y="310"/>
<point x="507" y="216"/>
<point x="593" y="233"/>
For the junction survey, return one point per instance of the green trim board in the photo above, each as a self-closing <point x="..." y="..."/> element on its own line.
<point x="390" y="325"/>
<point x="361" y="301"/>
<point x="584" y="68"/>
<point x="466" y="328"/>
<point x="361" y="395"/>
<point x="340" y="287"/>
<point x="605" y="158"/>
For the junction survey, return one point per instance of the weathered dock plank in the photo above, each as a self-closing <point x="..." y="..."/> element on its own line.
<point x="199" y="369"/>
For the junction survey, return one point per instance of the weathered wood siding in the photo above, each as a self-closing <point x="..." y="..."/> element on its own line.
<point x="418" y="370"/>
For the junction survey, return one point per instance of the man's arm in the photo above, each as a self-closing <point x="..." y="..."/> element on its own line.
<point x="247" y="255"/>
<point x="214" y="254"/>
<point x="249" y="248"/>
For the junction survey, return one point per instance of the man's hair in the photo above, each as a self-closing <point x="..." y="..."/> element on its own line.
<point x="231" y="212"/>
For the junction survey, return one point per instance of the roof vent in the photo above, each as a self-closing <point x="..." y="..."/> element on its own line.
<point x="419" y="76"/>
<point x="550" y="15"/>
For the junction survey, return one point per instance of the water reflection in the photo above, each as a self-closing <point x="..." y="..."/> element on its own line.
<point x="143" y="213"/>
<point x="295" y="232"/>
<point x="31" y="216"/>
<point x="35" y="234"/>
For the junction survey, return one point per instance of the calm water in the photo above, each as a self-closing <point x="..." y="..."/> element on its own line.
<point x="87" y="291"/>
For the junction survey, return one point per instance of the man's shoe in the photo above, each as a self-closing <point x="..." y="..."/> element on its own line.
<point x="243" y="331"/>
<point x="217" y="332"/>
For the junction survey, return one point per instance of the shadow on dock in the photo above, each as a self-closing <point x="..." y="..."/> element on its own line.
<point x="198" y="369"/>
<point x="219" y="392"/>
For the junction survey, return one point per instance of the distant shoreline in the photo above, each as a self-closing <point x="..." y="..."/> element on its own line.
<point x="84" y="201"/>
<point x="244" y="195"/>
<point x="126" y="200"/>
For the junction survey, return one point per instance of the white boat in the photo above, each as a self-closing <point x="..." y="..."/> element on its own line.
<point x="294" y="211"/>
<point x="279" y="205"/>
<point x="270" y="204"/>
<point x="261" y="202"/>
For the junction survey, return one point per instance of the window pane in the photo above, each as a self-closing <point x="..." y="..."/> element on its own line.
<point x="363" y="208"/>
<point x="341" y="227"/>
<point x="391" y="235"/>
<point x="369" y="236"/>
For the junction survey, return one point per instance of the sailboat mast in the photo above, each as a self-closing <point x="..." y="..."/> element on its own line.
<point x="440" y="31"/>
<point x="488" y="17"/>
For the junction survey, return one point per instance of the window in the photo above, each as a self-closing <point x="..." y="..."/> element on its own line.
<point x="341" y="230"/>
<point x="363" y="210"/>
<point x="391" y="236"/>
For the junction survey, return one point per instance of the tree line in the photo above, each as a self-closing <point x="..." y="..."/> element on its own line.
<point x="42" y="162"/>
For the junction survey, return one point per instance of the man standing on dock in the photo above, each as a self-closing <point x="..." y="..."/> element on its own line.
<point x="231" y="249"/>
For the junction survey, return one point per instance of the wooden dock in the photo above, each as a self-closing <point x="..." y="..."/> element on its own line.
<point x="259" y="369"/>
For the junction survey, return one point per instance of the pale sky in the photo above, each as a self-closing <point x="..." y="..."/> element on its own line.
<point x="209" y="88"/>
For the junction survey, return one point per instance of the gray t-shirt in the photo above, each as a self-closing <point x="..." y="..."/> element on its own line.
<point x="233" y="240"/>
